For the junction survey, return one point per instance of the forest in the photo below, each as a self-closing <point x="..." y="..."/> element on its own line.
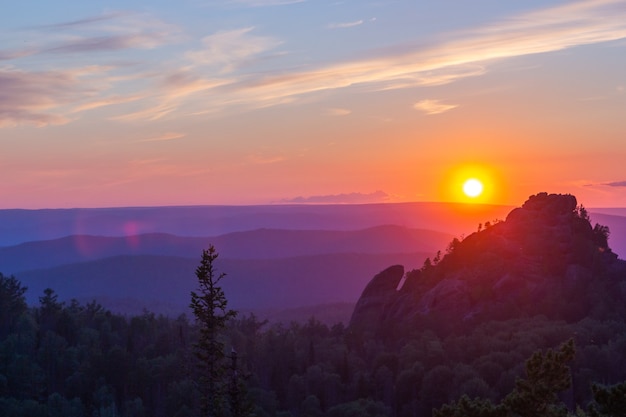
<point x="67" y="359"/>
<point x="70" y="359"/>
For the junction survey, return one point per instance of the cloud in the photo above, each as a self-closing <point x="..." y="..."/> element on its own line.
<point x="106" y="43"/>
<point x="230" y="49"/>
<point x="167" y="136"/>
<point x="616" y="184"/>
<point x="107" y="32"/>
<point x="35" y="98"/>
<point x="345" y="25"/>
<point x="83" y="22"/>
<point x="54" y="96"/>
<point x="107" y="101"/>
<point x="349" y="198"/>
<point x="338" y="112"/>
<point x="464" y="54"/>
<point x="183" y="83"/>
<point x="8" y="55"/>
<point x="172" y="91"/>
<point x="218" y="66"/>
<point x="433" y="106"/>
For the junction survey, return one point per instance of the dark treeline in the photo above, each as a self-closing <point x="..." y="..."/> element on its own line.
<point x="72" y="359"/>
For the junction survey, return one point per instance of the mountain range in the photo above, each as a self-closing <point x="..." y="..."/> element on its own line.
<point x="283" y="259"/>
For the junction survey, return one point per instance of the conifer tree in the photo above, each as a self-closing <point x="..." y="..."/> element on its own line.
<point x="209" y="306"/>
<point x="608" y="401"/>
<point x="537" y="395"/>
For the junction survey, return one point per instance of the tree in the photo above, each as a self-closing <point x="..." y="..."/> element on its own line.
<point x="601" y="235"/>
<point x="209" y="306"/>
<point x="547" y="375"/>
<point x="12" y="303"/>
<point x="608" y="401"/>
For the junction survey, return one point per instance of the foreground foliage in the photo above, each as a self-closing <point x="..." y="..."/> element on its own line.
<point x="209" y="306"/>
<point x="70" y="359"/>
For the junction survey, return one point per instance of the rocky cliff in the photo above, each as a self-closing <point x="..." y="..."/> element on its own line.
<point x="545" y="258"/>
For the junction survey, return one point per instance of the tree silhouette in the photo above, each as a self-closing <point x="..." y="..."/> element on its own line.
<point x="12" y="303"/>
<point x="608" y="401"/>
<point x="209" y="306"/>
<point x="547" y="374"/>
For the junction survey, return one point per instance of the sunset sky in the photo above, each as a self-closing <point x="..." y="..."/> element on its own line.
<point x="141" y="103"/>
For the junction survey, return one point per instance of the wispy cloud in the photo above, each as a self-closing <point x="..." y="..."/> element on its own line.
<point x="433" y="106"/>
<point x="105" y="43"/>
<point x="230" y="49"/>
<point x="55" y="96"/>
<point x="338" y="112"/>
<point x="345" y="24"/>
<point x="36" y="98"/>
<point x="83" y="22"/>
<point x="167" y="136"/>
<point x="346" y="198"/>
<point x="107" y="32"/>
<point x="171" y="92"/>
<point x="616" y="184"/>
<point x="11" y="54"/>
<point x="465" y="54"/>
<point x="222" y="73"/>
<point x="107" y="101"/>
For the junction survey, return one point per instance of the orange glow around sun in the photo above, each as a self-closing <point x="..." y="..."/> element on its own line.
<point x="472" y="183"/>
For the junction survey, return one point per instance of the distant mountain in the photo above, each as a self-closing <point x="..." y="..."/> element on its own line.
<point x="617" y="227"/>
<point x="545" y="258"/>
<point x="19" y="226"/>
<point x="162" y="284"/>
<point x="256" y="244"/>
<point x="99" y="253"/>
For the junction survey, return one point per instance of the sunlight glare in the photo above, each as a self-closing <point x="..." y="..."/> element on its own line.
<point x="472" y="187"/>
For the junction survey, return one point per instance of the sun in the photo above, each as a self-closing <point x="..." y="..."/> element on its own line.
<point x="472" y="183"/>
<point x="473" y="187"/>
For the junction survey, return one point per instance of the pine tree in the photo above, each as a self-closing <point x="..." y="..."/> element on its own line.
<point x="209" y="306"/>
<point x="609" y="401"/>
<point x="547" y="374"/>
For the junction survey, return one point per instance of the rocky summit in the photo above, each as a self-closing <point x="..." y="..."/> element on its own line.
<point x="545" y="259"/>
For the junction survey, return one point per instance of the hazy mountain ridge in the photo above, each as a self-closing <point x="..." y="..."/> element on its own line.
<point x="266" y="268"/>
<point x="130" y="283"/>
<point x="545" y="258"/>
<point x="19" y="226"/>
<point x="326" y="234"/>
<point x="256" y="244"/>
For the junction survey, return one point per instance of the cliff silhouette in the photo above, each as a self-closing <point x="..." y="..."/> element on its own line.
<point x="545" y="258"/>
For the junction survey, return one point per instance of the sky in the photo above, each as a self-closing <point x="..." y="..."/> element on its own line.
<point x="193" y="102"/>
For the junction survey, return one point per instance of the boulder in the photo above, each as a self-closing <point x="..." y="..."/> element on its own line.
<point x="377" y="294"/>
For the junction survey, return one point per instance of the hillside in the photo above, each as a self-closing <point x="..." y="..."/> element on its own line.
<point x="269" y="270"/>
<point x="545" y="258"/>
<point x="130" y="283"/>
<point x="20" y="226"/>
<point x="254" y="244"/>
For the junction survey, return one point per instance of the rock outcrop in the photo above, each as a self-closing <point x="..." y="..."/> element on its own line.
<point x="543" y="259"/>
<point x="376" y="295"/>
